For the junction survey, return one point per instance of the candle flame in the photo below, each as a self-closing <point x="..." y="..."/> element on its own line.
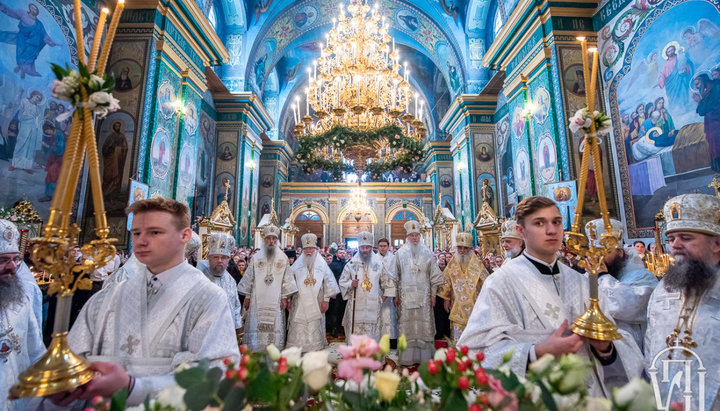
<point x="592" y="49"/>
<point x="580" y="38"/>
<point x="105" y="10"/>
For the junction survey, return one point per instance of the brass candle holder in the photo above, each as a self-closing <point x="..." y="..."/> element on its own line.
<point x="658" y="261"/>
<point x="593" y="323"/>
<point x="60" y="369"/>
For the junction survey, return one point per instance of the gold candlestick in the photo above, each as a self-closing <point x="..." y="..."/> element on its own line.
<point x="593" y="323"/>
<point x="59" y="369"/>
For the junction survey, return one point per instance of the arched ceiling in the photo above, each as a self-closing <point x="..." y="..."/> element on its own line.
<point x="273" y="43"/>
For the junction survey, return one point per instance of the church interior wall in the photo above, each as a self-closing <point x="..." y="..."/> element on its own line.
<point x="667" y="156"/>
<point x="206" y="160"/>
<point x="32" y="138"/>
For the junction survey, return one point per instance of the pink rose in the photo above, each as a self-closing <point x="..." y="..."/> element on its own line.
<point x="352" y="368"/>
<point x="397" y="137"/>
<point x="498" y="394"/>
<point x="13" y="218"/>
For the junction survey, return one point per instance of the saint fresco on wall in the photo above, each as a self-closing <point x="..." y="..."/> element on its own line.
<point x="32" y="139"/>
<point x="205" y="162"/>
<point x="665" y="108"/>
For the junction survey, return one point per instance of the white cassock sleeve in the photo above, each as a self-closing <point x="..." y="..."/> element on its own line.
<point x="627" y="300"/>
<point x="246" y="285"/>
<point x="330" y="286"/>
<point x="289" y="285"/>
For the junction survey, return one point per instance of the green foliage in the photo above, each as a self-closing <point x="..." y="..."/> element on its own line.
<point x="409" y="151"/>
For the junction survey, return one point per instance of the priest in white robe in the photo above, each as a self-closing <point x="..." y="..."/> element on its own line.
<point x="388" y="316"/>
<point x="21" y="342"/>
<point x="365" y="284"/>
<point x="192" y="249"/>
<point x="137" y="331"/>
<point x="510" y="240"/>
<point x="626" y="286"/>
<point x="316" y="285"/>
<point x="417" y="282"/>
<point x="683" y="331"/>
<point x="267" y="285"/>
<point x="220" y="246"/>
<point x="525" y="308"/>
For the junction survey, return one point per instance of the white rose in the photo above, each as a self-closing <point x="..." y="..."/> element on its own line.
<point x="293" y="355"/>
<point x="96" y="82"/>
<point x="72" y="80"/>
<point x="61" y="91"/>
<point x="100" y="98"/>
<point x="182" y="367"/>
<point x="637" y="395"/>
<point x="598" y="404"/>
<point x="114" y="104"/>
<point x="316" y="369"/>
<point x="273" y="352"/>
<point x="172" y="395"/>
<point x="440" y="355"/>
<point x="542" y="364"/>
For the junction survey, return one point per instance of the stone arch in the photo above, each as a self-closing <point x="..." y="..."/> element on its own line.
<point x="310" y="207"/>
<point x="343" y="213"/>
<point x="392" y="211"/>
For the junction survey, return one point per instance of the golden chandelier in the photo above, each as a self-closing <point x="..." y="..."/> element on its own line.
<point x="356" y="82"/>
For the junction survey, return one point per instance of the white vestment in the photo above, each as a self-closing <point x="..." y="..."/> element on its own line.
<point x="266" y="282"/>
<point x="306" y="325"/>
<point x="388" y="317"/>
<point x="663" y="311"/>
<point x="367" y="310"/>
<point x="626" y="297"/>
<point x="227" y="283"/>
<point x="417" y="280"/>
<point x="519" y="307"/>
<point x="131" y="266"/>
<point x="151" y="324"/>
<point x="21" y="345"/>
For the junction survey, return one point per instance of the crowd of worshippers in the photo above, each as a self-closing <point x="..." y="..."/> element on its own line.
<point x="162" y="306"/>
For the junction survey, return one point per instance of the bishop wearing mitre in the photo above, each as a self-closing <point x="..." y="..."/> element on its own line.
<point x="316" y="286"/>
<point x="267" y="285"/>
<point x="364" y="283"/>
<point x="464" y="277"/>
<point x="220" y="246"/>
<point x="417" y="280"/>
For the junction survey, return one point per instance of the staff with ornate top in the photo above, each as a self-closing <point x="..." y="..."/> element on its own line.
<point x="593" y="323"/>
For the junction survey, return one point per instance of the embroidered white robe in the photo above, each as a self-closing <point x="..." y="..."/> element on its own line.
<point x="33" y="290"/>
<point x="663" y="311"/>
<point x="519" y="307"/>
<point x="306" y="324"/>
<point x="418" y="278"/>
<point x="366" y="303"/>
<point x="21" y="345"/>
<point x="131" y="266"/>
<point x="626" y="297"/>
<point x="266" y="282"/>
<point x="227" y="283"/>
<point x="150" y="329"/>
<point x="388" y="317"/>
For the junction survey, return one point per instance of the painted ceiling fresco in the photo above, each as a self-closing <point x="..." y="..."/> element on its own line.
<point x="272" y="43"/>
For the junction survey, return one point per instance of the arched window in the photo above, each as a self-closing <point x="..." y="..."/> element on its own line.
<point x="212" y="18"/>
<point x="497" y="23"/>
<point x="404" y="216"/>
<point x="309" y="216"/>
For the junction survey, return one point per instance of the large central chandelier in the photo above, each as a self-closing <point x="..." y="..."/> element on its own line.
<point x="356" y="82"/>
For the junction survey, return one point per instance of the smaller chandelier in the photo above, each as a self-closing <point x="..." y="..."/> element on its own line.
<point x="356" y="82"/>
<point x="358" y="206"/>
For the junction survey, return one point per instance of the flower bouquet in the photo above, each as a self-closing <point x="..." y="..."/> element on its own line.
<point x="70" y="84"/>
<point x="453" y="380"/>
<point x="583" y="120"/>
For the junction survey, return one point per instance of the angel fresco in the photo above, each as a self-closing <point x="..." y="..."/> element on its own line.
<point x="450" y="9"/>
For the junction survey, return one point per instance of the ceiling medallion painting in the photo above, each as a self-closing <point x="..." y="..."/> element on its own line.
<point x="361" y="103"/>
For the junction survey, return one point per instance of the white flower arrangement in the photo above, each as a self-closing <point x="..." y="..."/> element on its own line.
<point x="69" y="84"/>
<point x="583" y="120"/>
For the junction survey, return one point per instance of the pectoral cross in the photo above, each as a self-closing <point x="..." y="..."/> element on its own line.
<point x="309" y="280"/>
<point x="366" y="283"/>
<point x="552" y="310"/>
<point x="129" y="346"/>
<point x="715" y="184"/>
